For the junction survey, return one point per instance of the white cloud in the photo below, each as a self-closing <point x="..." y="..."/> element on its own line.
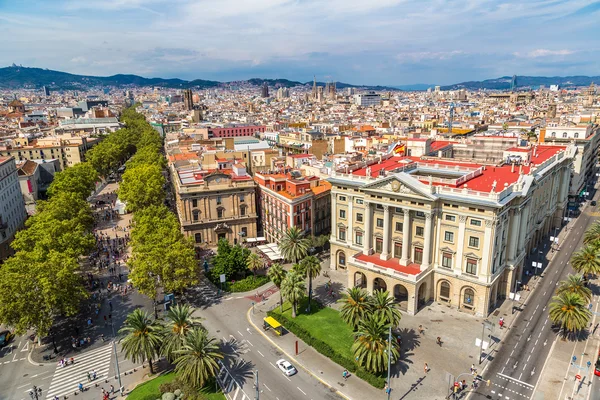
<point x="79" y="60"/>
<point x="544" y="53"/>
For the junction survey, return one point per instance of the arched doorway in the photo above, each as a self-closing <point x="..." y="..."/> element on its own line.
<point x="468" y="298"/>
<point x="379" y="284"/>
<point x="341" y="260"/>
<point x="422" y="295"/>
<point x="444" y="292"/>
<point x="360" y="280"/>
<point x="401" y="296"/>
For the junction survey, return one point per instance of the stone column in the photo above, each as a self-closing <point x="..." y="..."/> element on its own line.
<point x="350" y="218"/>
<point x="385" y="254"/>
<point x="514" y="235"/>
<point x="367" y="239"/>
<point x="334" y="214"/>
<point x="405" y="238"/>
<point x="427" y="245"/>
<point x="488" y="245"/>
<point x="523" y="229"/>
<point x="460" y="246"/>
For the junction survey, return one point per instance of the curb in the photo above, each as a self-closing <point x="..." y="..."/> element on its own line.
<point x="30" y="360"/>
<point x="292" y="358"/>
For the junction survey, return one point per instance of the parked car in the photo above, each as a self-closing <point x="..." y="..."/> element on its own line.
<point x="593" y="202"/>
<point x="597" y="367"/>
<point x="285" y="367"/>
<point x="6" y="337"/>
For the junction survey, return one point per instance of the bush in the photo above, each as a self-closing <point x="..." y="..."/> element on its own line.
<point x="248" y="283"/>
<point x="323" y="348"/>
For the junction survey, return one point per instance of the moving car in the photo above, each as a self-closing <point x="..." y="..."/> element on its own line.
<point x="597" y="367"/>
<point x="286" y="367"/>
<point x="5" y="338"/>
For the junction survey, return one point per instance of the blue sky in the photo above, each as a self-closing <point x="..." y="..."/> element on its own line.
<point x="390" y="42"/>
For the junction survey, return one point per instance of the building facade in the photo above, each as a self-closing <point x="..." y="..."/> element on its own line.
<point x="440" y="230"/>
<point x="12" y="206"/>
<point x="214" y="205"/>
<point x="292" y="200"/>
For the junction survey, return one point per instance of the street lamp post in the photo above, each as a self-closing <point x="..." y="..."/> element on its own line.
<point x="485" y="324"/>
<point x="112" y="326"/>
<point x="35" y="393"/>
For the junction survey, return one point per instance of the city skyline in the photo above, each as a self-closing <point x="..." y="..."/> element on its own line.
<point x="385" y="42"/>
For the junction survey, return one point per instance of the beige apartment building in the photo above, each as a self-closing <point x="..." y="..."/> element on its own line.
<point x="215" y="204"/>
<point x="68" y="149"/>
<point x="457" y="233"/>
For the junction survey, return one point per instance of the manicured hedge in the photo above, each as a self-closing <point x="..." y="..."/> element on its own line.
<point x="326" y="350"/>
<point x="249" y="283"/>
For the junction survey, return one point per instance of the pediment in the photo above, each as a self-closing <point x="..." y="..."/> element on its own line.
<point x="401" y="184"/>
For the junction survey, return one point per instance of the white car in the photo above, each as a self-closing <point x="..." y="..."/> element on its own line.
<point x="286" y="367"/>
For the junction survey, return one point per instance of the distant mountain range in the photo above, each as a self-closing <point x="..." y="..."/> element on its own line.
<point x="14" y="77"/>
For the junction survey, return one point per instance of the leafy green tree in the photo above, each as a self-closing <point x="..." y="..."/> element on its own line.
<point x="371" y="345"/>
<point x="254" y="263"/>
<point x="80" y="178"/>
<point x="383" y="305"/>
<point x="230" y="260"/>
<point x="179" y="322"/>
<point x="575" y="284"/>
<point x="356" y="304"/>
<point x="142" y="186"/>
<point x="569" y="311"/>
<point x="147" y="155"/>
<point x="292" y="289"/>
<point x="142" y="339"/>
<point x="65" y="206"/>
<point x="587" y="260"/>
<point x="196" y="363"/>
<point x="36" y="287"/>
<point x="294" y="245"/>
<point x="277" y="274"/>
<point x="592" y="235"/>
<point x="312" y="269"/>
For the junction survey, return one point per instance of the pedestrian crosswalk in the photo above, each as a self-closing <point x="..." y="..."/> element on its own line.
<point x="231" y="388"/>
<point x="66" y="379"/>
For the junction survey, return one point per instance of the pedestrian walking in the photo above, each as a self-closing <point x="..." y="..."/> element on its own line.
<point x="89" y="377"/>
<point x="122" y="390"/>
<point x="105" y="322"/>
<point x="426" y="368"/>
<point x="472" y="369"/>
<point x="421" y="330"/>
<point x="112" y="389"/>
<point x="439" y="341"/>
<point x="93" y="375"/>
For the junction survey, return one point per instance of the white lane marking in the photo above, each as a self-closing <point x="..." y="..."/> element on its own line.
<point x="260" y="353"/>
<point x="285" y="376"/>
<point x="544" y="293"/>
<point x="301" y="390"/>
<point x="511" y="353"/>
<point x="240" y="333"/>
<point x="267" y="387"/>
<point x="520" y="375"/>
<point x="513" y="379"/>
<point x="249" y="343"/>
<point x="273" y="365"/>
<point x="527" y="360"/>
<point x="248" y="330"/>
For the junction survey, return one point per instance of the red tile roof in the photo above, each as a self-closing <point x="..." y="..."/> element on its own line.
<point x="392" y="263"/>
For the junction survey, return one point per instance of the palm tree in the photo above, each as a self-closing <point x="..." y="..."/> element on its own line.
<point x="293" y="288"/>
<point x="586" y="261"/>
<point x="371" y="344"/>
<point x="179" y="323"/>
<point x="312" y="269"/>
<point x="569" y="311"/>
<point x="383" y="305"/>
<point x="196" y="362"/>
<point x="254" y="263"/>
<point x="293" y="245"/>
<point x="142" y="337"/>
<point x="592" y="235"/>
<point x="277" y="274"/>
<point x="355" y="305"/>
<point x="575" y="284"/>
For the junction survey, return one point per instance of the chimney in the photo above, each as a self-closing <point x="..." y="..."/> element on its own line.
<point x="521" y="169"/>
<point x="512" y="169"/>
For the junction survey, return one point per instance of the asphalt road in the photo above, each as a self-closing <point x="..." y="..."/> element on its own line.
<point x="248" y="351"/>
<point x="516" y="368"/>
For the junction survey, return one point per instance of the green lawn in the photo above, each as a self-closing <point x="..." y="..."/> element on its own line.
<point x="324" y="324"/>
<point x="149" y="390"/>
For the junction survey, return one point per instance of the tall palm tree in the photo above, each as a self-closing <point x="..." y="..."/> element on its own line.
<point x="293" y="245"/>
<point x="355" y="305"/>
<point x="592" y="235"/>
<point x="569" y="311"/>
<point x="312" y="268"/>
<point x="196" y="362"/>
<point x="575" y="284"/>
<point x="254" y="263"/>
<point x="142" y="337"/>
<point x="371" y="344"/>
<point x="383" y="305"/>
<point x="277" y="274"/>
<point x="587" y="260"/>
<point x="179" y="321"/>
<point x="292" y="289"/>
